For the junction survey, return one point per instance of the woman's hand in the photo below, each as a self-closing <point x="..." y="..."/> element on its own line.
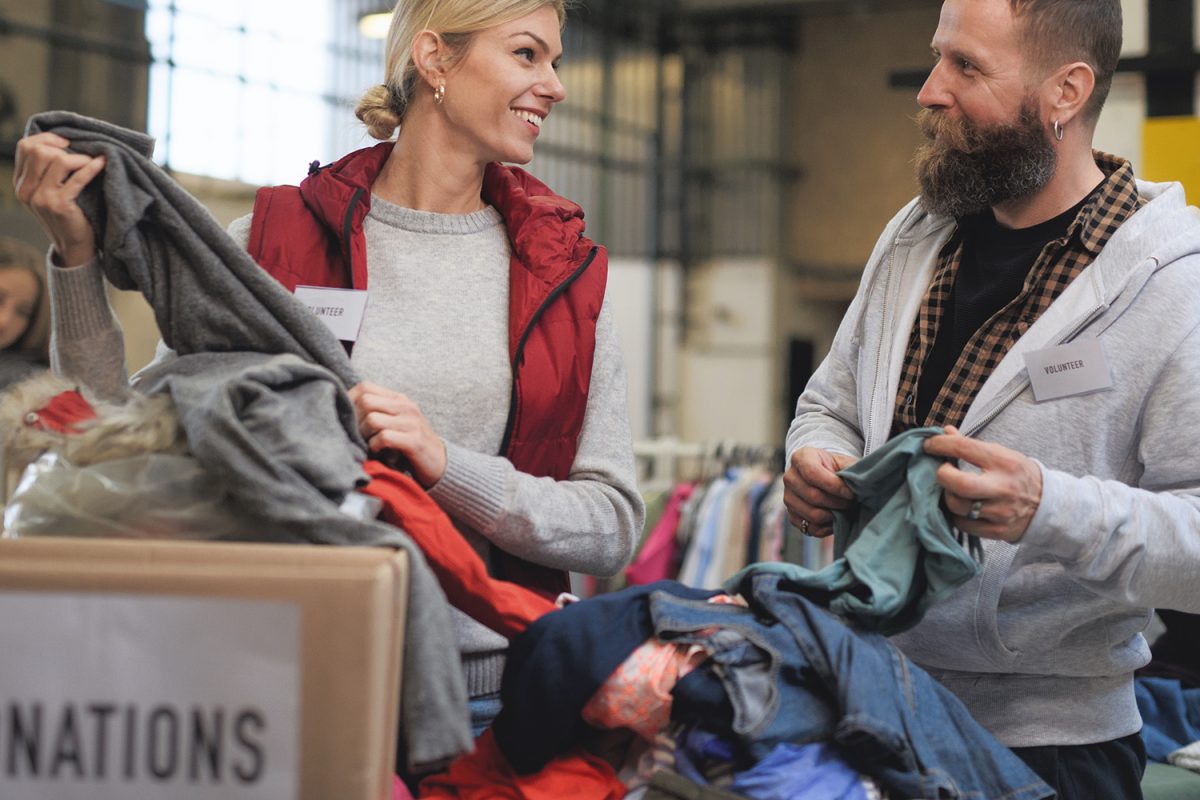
<point x="389" y="420"/>
<point x="48" y="180"/>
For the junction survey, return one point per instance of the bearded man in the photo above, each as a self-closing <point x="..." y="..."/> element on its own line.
<point x="1043" y="307"/>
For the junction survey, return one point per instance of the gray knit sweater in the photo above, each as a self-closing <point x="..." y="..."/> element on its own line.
<point x="436" y="329"/>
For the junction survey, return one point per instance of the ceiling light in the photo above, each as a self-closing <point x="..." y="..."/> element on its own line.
<point x="375" y="26"/>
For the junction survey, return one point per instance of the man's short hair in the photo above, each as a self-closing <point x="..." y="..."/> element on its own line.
<point x="1058" y="32"/>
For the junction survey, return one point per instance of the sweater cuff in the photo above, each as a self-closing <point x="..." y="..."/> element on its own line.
<point x="76" y="313"/>
<point x="473" y="488"/>
<point x="483" y="672"/>
<point x="1059" y="526"/>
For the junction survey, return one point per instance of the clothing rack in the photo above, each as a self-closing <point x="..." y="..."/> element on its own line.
<point x="721" y="503"/>
<point x="666" y="460"/>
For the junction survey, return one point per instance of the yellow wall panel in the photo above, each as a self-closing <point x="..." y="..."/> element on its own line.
<point x="1171" y="152"/>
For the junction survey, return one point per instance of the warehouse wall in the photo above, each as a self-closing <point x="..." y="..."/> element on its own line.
<point x="852" y="138"/>
<point x="710" y="337"/>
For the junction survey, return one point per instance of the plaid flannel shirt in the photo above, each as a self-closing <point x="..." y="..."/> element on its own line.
<point x="1059" y="263"/>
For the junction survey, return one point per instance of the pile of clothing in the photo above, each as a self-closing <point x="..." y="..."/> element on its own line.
<point x="757" y="691"/>
<point x="667" y="691"/>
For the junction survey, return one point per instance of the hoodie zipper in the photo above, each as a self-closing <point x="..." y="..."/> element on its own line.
<point x="520" y="352"/>
<point x="879" y="350"/>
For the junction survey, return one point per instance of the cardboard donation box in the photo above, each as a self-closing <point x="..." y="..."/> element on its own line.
<point x="172" y="670"/>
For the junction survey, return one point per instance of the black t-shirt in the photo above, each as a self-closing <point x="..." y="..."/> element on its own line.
<point x="994" y="264"/>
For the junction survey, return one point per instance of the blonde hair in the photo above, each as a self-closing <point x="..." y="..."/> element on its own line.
<point x="15" y="254"/>
<point x="382" y="108"/>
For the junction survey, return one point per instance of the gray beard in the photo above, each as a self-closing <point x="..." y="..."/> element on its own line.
<point x="963" y="169"/>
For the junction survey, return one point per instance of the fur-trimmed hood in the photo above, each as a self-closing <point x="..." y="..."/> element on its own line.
<point x="46" y="412"/>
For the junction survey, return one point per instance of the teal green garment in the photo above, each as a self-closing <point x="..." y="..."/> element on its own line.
<point x="1165" y="782"/>
<point x="899" y="554"/>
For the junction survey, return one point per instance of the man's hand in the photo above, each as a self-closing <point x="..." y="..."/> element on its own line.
<point x="812" y="489"/>
<point x="996" y="503"/>
<point x="389" y="420"/>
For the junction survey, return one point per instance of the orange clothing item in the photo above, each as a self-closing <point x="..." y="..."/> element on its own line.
<point x="504" y="607"/>
<point x="637" y="695"/>
<point x="486" y="775"/>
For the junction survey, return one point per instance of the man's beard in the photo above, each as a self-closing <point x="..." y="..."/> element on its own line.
<point x="964" y="168"/>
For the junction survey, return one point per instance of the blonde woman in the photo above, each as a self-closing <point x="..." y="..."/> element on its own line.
<point x="491" y="360"/>
<point x="24" y="312"/>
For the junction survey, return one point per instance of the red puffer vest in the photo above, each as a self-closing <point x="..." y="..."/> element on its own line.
<point x="313" y="235"/>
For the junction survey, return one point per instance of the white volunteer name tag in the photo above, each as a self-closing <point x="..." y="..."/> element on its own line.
<point x="1067" y="370"/>
<point x="340" y="309"/>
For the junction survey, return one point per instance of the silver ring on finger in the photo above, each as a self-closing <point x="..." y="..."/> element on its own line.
<point x="804" y="527"/>
<point x="976" y="509"/>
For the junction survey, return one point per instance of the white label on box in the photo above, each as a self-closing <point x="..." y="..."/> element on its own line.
<point x="340" y="309"/>
<point x="125" y="697"/>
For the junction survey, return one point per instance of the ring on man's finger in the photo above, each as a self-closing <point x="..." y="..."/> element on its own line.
<point x="976" y="508"/>
<point x="804" y="527"/>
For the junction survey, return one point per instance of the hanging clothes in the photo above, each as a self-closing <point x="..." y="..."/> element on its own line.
<point x="727" y="514"/>
<point x="656" y="559"/>
<point x="703" y="542"/>
<point x="734" y="527"/>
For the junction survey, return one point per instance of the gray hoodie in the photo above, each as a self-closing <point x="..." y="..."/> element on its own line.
<point x="1042" y="645"/>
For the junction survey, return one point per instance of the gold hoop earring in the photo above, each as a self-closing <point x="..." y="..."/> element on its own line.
<point x="439" y="94"/>
<point x="1058" y="130"/>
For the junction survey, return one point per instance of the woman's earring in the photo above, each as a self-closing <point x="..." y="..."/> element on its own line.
<point x="439" y="94"/>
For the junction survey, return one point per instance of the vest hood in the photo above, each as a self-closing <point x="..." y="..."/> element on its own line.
<point x="545" y="229"/>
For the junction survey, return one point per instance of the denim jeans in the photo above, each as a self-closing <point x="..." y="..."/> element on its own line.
<point x="888" y="717"/>
<point x="483" y="709"/>
<point x="756" y="665"/>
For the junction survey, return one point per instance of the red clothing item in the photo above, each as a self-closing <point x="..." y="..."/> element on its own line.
<point x="313" y="235"/>
<point x="485" y="775"/>
<point x="62" y="414"/>
<point x="399" y="790"/>
<point x="504" y="607"/>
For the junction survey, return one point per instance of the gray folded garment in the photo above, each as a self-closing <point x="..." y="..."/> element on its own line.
<point x="260" y="391"/>
<point x="207" y="293"/>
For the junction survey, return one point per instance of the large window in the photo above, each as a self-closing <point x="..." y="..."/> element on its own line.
<point x="671" y="143"/>
<point x="254" y="91"/>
